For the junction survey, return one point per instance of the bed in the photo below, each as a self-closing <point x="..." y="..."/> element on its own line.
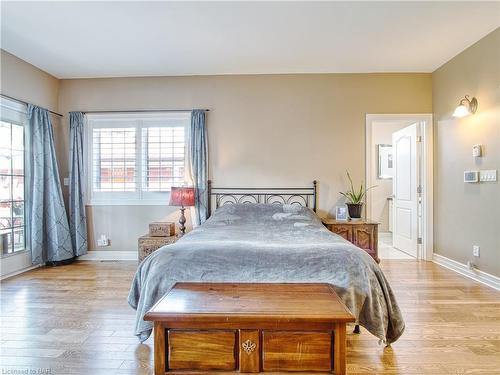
<point x="274" y="236"/>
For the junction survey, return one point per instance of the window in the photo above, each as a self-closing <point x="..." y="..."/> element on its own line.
<point x="12" y="177"/>
<point x="136" y="159"/>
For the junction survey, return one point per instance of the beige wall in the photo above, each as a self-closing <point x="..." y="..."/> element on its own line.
<point x="264" y="130"/>
<point x="26" y="82"/>
<point x="468" y="214"/>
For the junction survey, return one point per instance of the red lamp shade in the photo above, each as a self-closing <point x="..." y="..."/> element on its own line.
<point x="182" y="196"/>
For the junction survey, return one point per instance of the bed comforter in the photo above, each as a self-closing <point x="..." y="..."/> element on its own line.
<point x="269" y="243"/>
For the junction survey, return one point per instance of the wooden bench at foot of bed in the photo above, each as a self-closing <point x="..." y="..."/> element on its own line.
<point x="240" y="327"/>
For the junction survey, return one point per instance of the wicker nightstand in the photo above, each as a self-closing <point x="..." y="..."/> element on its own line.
<point x="148" y="244"/>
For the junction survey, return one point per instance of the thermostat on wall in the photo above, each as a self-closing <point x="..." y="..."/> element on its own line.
<point x="477" y="151"/>
<point x="471" y="176"/>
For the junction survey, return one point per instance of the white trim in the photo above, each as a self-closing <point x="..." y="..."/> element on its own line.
<point x="474" y="274"/>
<point x="99" y="255"/>
<point x="11" y="274"/>
<point x="427" y="172"/>
<point x="427" y="176"/>
<point x="13" y="254"/>
<point x="12" y="111"/>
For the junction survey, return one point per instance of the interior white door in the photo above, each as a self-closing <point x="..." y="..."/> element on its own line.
<point x="405" y="194"/>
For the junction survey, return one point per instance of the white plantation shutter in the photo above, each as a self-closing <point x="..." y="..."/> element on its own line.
<point x="163" y="157"/>
<point x="136" y="159"/>
<point x="114" y="159"/>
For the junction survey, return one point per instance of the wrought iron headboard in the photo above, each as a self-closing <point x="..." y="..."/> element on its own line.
<point x="219" y="196"/>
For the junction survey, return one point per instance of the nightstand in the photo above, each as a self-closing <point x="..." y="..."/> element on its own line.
<point x="361" y="233"/>
<point x="148" y="244"/>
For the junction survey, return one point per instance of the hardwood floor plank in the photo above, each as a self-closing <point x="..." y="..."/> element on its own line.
<point x="38" y="353"/>
<point x="75" y="320"/>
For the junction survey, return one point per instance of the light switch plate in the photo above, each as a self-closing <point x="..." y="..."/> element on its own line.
<point x="66" y="181"/>
<point x="488" y="175"/>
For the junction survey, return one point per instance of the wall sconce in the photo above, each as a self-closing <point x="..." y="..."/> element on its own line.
<point x="466" y="107"/>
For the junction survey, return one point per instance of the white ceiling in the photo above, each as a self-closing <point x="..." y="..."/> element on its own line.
<point x="102" y="39"/>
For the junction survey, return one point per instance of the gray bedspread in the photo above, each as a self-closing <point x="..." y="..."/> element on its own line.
<point x="269" y="243"/>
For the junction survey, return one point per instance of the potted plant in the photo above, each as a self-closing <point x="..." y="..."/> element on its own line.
<point x="355" y="199"/>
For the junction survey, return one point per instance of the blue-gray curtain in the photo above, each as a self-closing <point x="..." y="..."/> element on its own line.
<point x="77" y="217"/>
<point x="49" y="235"/>
<point x="198" y="148"/>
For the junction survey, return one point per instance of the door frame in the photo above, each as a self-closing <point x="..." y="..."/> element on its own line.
<point x="426" y="250"/>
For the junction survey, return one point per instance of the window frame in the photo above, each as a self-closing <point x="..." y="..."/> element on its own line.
<point x="138" y="121"/>
<point x="17" y="113"/>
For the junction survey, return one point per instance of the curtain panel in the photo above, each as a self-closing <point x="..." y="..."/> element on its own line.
<point x="198" y="150"/>
<point x="77" y="216"/>
<point x="49" y="235"/>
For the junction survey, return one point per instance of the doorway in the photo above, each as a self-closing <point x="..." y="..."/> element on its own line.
<point x="398" y="160"/>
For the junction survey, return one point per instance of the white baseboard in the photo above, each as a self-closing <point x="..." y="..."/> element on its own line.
<point x="99" y="255"/>
<point x="6" y="276"/>
<point x="475" y="274"/>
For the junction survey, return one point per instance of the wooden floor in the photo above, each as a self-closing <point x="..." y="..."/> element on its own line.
<point x="75" y="320"/>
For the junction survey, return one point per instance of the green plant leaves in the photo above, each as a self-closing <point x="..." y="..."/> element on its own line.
<point x="352" y="195"/>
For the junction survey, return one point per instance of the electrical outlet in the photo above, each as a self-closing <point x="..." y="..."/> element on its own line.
<point x="475" y="250"/>
<point x="102" y="241"/>
<point x="66" y="181"/>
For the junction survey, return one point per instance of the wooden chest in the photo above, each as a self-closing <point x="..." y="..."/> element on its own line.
<point x="363" y="234"/>
<point x="214" y="327"/>
<point x="147" y="244"/>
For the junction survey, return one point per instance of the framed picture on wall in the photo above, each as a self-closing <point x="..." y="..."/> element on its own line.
<point x="341" y="213"/>
<point x="385" y="169"/>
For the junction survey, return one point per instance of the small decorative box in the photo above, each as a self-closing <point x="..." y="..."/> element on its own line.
<point x="162" y="229"/>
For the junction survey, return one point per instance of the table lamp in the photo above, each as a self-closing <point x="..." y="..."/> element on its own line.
<point x="183" y="197"/>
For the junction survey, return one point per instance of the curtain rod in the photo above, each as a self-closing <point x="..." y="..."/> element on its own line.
<point x="23" y="102"/>
<point x="144" y="110"/>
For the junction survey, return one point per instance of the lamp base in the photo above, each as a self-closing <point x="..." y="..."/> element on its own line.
<point x="182" y="221"/>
